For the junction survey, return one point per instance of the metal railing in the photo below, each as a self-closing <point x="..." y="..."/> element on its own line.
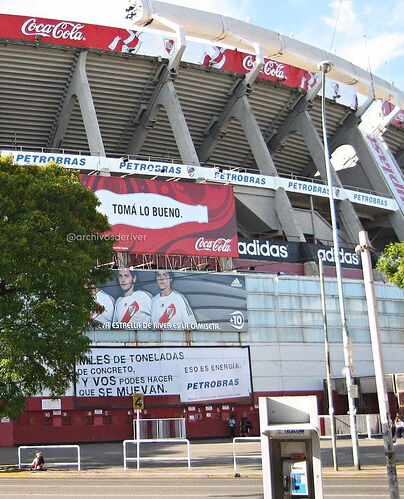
<point x="367" y="425"/>
<point x="47" y="462"/>
<point x="248" y="456"/>
<point x="140" y="441"/>
<point x="160" y="428"/>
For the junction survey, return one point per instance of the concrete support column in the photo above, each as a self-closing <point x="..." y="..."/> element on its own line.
<point x="303" y="124"/>
<point x="243" y="112"/>
<point x="79" y="90"/>
<point x="165" y="96"/>
<point x="219" y="123"/>
<point x="284" y="210"/>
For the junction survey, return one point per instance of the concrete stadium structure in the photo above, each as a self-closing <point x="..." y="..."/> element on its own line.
<point x="245" y="114"/>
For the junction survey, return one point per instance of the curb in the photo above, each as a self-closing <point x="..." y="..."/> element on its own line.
<point x="142" y="474"/>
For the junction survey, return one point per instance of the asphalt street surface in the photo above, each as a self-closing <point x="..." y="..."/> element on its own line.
<point x="211" y="476"/>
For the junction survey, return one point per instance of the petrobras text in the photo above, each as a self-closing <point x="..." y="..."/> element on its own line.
<point x="74" y="161"/>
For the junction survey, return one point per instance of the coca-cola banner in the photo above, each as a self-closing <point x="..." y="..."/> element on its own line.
<point x="177" y="218"/>
<point x="240" y="62"/>
<point x="62" y="32"/>
<point x="68" y="33"/>
<point x="126" y="40"/>
<point x="161" y="300"/>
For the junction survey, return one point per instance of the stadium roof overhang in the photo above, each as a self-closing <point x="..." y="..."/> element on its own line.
<point x="240" y="34"/>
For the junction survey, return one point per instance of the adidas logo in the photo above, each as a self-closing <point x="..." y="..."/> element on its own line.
<point x="236" y="283"/>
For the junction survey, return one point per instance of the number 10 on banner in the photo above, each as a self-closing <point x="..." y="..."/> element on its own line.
<point x="138" y="401"/>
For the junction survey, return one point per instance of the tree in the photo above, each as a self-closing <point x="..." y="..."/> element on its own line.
<point x="51" y="254"/>
<point x="391" y="263"/>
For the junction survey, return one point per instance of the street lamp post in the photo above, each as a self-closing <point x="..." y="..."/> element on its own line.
<point x="364" y="248"/>
<point x="331" y="411"/>
<point x="325" y="67"/>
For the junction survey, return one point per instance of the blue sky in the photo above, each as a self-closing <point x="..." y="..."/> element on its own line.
<point x="370" y="32"/>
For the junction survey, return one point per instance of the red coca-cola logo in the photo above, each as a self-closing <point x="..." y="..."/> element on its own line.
<point x="270" y="67"/>
<point x="63" y="30"/>
<point x="217" y="245"/>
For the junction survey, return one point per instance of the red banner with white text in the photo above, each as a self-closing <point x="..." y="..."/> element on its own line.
<point x="62" y="32"/>
<point x="177" y="218"/>
<point x="242" y="63"/>
<point x="38" y="29"/>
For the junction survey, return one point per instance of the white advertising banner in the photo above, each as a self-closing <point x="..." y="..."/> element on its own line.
<point x="388" y="166"/>
<point x="199" y="174"/>
<point x="193" y="373"/>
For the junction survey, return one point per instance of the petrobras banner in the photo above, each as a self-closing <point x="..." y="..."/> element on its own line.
<point x="388" y="167"/>
<point x="339" y="193"/>
<point x="199" y="174"/>
<point x="295" y="252"/>
<point x="195" y="374"/>
<point x="74" y="161"/>
<point x="168" y="301"/>
<point x="154" y="216"/>
<point x="124" y="165"/>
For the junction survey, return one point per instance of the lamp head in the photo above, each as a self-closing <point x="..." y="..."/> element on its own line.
<point x="324" y="66"/>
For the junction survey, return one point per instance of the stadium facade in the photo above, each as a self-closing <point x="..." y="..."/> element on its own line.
<point x="219" y="145"/>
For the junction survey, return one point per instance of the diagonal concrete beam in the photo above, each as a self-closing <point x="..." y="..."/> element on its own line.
<point x="165" y="96"/>
<point x="79" y="91"/>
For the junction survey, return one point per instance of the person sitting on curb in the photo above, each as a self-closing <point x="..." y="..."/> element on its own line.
<point x="399" y="427"/>
<point x="38" y="462"/>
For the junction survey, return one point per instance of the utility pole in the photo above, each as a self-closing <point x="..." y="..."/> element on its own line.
<point x="325" y="67"/>
<point x="328" y="366"/>
<point x="364" y="248"/>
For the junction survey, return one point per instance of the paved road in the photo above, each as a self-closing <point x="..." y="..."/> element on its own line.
<point x="109" y="487"/>
<point x="212" y="474"/>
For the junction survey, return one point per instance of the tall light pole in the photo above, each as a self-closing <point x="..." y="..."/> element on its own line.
<point x="364" y="248"/>
<point x="325" y="67"/>
<point x="328" y="366"/>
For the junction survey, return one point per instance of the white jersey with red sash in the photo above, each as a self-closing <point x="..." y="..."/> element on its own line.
<point x="170" y="309"/>
<point x="107" y="302"/>
<point x="133" y="308"/>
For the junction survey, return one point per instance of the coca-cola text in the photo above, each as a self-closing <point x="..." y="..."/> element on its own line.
<point x="217" y="245"/>
<point x="270" y="68"/>
<point x="64" y="30"/>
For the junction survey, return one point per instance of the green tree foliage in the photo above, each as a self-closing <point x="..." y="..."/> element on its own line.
<point x="391" y="263"/>
<point x="45" y="300"/>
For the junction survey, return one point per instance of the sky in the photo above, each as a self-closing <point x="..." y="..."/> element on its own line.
<point x="368" y="33"/>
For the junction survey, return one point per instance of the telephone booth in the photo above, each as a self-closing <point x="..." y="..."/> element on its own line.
<point x="290" y="446"/>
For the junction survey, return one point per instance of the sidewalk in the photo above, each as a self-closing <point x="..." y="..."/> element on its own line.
<point x="209" y="458"/>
